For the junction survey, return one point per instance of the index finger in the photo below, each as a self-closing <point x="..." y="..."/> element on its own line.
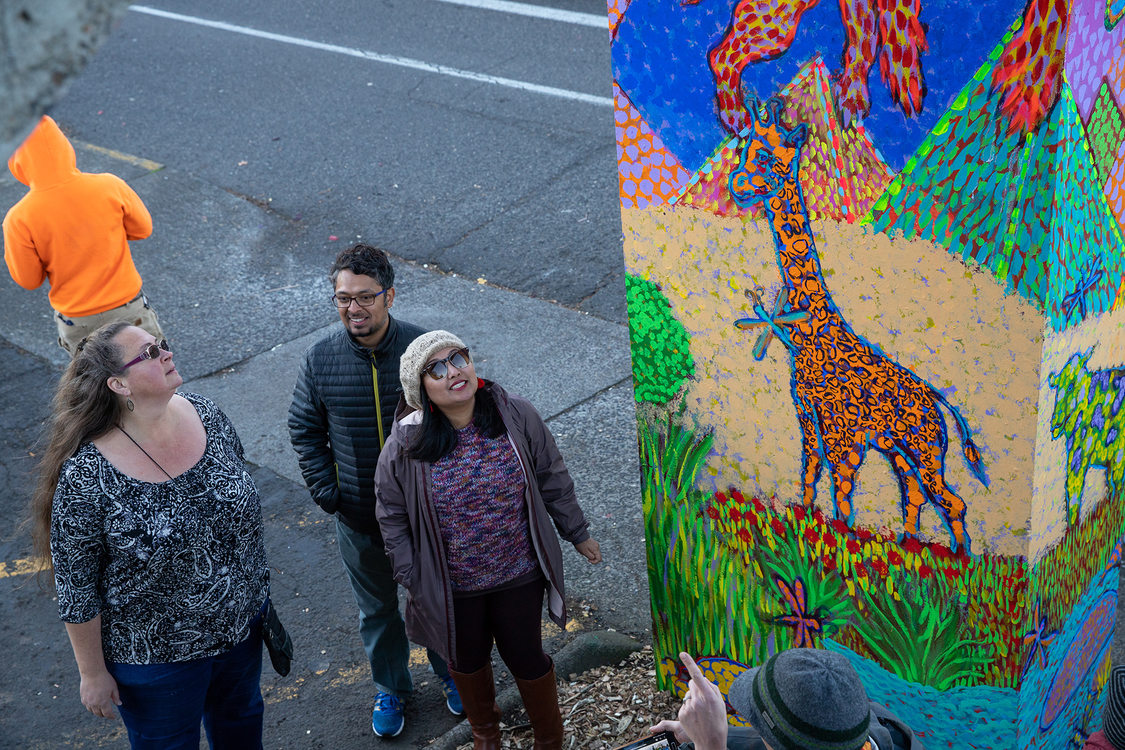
<point x="692" y="668"/>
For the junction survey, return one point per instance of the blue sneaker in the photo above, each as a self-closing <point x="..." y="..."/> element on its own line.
<point x="387" y="719"/>
<point x="452" y="697"/>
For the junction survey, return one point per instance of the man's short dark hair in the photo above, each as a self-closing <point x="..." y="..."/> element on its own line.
<point x="364" y="260"/>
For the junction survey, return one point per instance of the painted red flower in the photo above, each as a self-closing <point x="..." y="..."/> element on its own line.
<point x="798" y="513"/>
<point x="735" y="515"/>
<point x="841" y="526"/>
<point x="778" y="527"/>
<point x="863" y="534"/>
<point x="750" y="517"/>
<point x="880" y="567"/>
<point x="894" y="557"/>
<point x="853" y="546"/>
<point x="818" y="516"/>
<point x="829" y="562"/>
<point x="951" y="574"/>
<point x="829" y="539"/>
<point x="758" y="505"/>
<point x="712" y="512"/>
<point x="720" y="498"/>
<point x="912" y="545"/>
<point x="811" y="536"/>
<point x="861" y="570"/>
<point x="744" y="535"/>
<point x="925" y="570"/>
<point x="737" y="496"/>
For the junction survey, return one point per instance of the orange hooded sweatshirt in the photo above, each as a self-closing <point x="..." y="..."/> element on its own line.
<point x="72" y="228"/>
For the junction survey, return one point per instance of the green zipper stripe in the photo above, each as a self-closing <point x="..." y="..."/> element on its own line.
<point x="378" y="407"/>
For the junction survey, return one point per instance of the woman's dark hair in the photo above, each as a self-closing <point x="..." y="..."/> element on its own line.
<point x="83" y="408"/>
<point x="436" y="437"/>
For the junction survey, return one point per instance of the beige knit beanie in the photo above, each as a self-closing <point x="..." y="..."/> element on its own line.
<point x="415" y="358"/>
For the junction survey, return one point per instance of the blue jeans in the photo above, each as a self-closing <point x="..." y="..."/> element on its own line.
<point x="162" y="705"/>
<point x="380" y="624"/>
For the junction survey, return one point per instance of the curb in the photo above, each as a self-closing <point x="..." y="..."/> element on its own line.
<point x="587" y="651"/>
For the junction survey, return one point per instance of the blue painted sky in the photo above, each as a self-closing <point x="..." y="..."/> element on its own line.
<point x="660" y="60"/>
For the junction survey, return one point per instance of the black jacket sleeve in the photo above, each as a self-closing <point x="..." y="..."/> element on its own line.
<point x="308" y="432"/>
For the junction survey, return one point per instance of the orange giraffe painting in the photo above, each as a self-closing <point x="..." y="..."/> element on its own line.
<point x="850" y="397"/>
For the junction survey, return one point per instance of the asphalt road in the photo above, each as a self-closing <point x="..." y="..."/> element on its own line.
<point x="480" y="178"/>
<point x="476" y="147"/>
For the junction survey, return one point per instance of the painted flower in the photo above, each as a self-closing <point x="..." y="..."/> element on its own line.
<point x="737" y="496"/>
<point x="713" y="513"/>
<point x="720" y="498"/>
<point x="811" y="536"/>
<point x="894" y="557"/>
<point x="778" y="528"/>
<point x="925" y="570"/>
<point x="735" y="515"/>
<point x="840" y="526"/>
<point x="829" y="539"/>
<point x="744" y="535"/>
<point x="880" y="567"/>
<point x="854" y="547"/>
<point x="912" y="545"/>
<point x="798" y="512"/>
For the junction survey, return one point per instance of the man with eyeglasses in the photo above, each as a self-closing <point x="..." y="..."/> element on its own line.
<point x="342" y="410"/>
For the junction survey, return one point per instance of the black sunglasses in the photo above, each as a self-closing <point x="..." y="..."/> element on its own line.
<point x="440" y="368"/>
<point x="152" y="351"/>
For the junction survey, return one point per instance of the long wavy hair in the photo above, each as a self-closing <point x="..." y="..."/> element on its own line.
<point x="436" y="436"/>
<point x="84" y="408"/>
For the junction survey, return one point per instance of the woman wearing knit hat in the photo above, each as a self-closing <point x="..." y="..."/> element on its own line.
<point x="468" y="487"/>
<point x="1112" y="735"/>
<point x="799" y="699"/>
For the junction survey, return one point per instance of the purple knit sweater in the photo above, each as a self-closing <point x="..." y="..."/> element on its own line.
<point x="478" y="492"/>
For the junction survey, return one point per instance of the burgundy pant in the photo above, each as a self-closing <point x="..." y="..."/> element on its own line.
<point x="511" y="618"/>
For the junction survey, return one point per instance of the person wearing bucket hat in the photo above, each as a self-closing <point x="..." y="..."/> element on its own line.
<point x="468" y="488"/>
<point x="799" y="699"/>
<point x="1112" y="734"/>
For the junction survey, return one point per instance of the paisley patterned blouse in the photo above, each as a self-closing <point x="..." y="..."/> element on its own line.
<point x="176" y="569"/>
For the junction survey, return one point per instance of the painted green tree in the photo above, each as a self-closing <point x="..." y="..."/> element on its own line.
<point x="659" y="344"/>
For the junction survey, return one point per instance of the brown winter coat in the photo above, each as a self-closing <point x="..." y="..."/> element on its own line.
<point x="409" y="523"/>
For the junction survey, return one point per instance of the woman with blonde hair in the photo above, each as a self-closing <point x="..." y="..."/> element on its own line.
<point x="153" y="529"/>
<point x="468" y="488"/>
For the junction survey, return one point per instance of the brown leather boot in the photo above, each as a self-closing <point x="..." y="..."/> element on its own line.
<point x="478" y="696"/>
<point x="541" y="699"/>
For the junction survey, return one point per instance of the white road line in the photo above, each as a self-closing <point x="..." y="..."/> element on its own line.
<point x="537" y="11"/>
<point x="402" y="62"/>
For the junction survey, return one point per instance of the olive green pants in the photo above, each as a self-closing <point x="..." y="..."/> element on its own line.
<point x="135" y="312"/>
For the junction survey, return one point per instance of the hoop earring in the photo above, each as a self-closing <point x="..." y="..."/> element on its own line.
<point x="129" y="404"/>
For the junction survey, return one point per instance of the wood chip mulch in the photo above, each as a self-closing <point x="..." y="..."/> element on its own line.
<point x="603" y="708"/>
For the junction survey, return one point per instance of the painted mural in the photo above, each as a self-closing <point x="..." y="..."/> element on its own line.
<point x="877" y="314"/>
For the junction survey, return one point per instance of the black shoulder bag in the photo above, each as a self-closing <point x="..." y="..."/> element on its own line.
<point x="278" y="642"/>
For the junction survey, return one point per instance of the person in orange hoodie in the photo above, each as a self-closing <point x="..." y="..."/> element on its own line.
<point x="73" y="228"/>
